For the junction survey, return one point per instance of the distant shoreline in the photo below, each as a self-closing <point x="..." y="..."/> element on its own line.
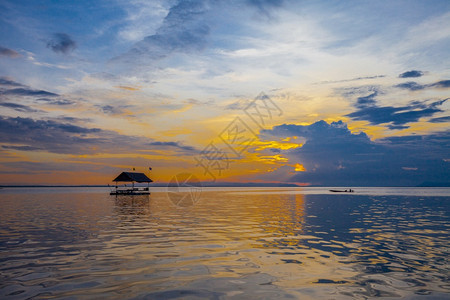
<point x="228" y="184"/>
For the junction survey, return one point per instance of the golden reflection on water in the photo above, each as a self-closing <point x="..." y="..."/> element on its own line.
<point x="232" y="243"/>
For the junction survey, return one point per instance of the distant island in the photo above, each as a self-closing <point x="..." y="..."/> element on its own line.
<point x="225" y="184"/>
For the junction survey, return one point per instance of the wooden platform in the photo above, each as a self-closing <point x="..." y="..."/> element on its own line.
<point x="134" y="191"/>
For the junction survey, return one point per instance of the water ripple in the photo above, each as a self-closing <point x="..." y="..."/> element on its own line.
<point x="230" y="245"/>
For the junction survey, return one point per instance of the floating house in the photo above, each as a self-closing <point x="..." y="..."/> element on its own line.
<point x="131" y="177"/>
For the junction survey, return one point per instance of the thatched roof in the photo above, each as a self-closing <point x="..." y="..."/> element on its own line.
<point x="132" y="176"/>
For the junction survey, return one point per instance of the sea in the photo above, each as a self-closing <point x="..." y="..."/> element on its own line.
<point x="225" y="243"/>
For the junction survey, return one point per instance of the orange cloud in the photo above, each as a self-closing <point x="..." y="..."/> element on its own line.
<point x="299" y="168"/>
<point x="128" y="88"/>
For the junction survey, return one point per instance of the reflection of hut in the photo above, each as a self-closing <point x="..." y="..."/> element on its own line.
<point x="131" y="177"/>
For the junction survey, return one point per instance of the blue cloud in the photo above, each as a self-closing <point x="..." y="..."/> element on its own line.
<point x="394" y="117"/>
<point x="61" y="43"/>
<point x="21" y="148"/>
<point x="366" y="101"/>
<point x="440" y="119"/>
<point x="111" y="110"/>
<point x="173" y="144"/>
<point x="412" y="73"/>
<point x="13" y="88"/>
<point x="334" y="156"/>
<point x="18" y="107"/>
<point x="4" y="81"/>
<point x="57" y="137"/>
<point x="414" y="86"/>
<point x="411" y="85"/>
<point x="441" y="84"/>
<point x="28" y="92"/>
<point x="53" y="101"/>
<point x="183" y="30"/>
<point x="60" y="136"/>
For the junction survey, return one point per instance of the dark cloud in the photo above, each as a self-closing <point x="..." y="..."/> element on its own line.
<point x="53" y="101"/>
<point x="58" y="137"/>
<point x="62" y="136"/>
<point x="18" y="107"/>
<point x="111" y="110"/>
<point x="334" y="156"/>
<point x="8" y="52"/>
<point x="412" y="73"/>
<point x="366" y="101"/>
<point x="411" y="85"/>
<point x="183" y="30"/>
<point x="414" y="86"/>
<point x="4" y="81"/>
<point x="173" y="144"/>
<point x="28" y="92"/>
<point x="13" y="88"/>
<point x="73" y="120"/>
<point x="62" y="43"/>
<point x="441" y="84"/>
<point x="22" y="148"/>
<point x="440" y="119"/>
<point x="31" y="167"/>
<point x="394" y="117"/>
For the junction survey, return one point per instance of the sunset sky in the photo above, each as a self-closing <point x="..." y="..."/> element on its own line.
<point x="308" y="92"/>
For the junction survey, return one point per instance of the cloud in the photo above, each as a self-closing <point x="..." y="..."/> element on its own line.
<point x="53" y="101"/>
<point x="111" y="110"/>
<point x="411" y="85"/>
<point x="61" y="43"/>
<point x="33" y="167"/>
<point x="8" y="52"/>
<point x="394" y="117"/>
<point x="28" y="92"/>
<point x="21" y="148"/>
<point x="18" y="107"/>
<point x="240" y="104"/>
<point x="440" y="119"/>
<point x="412" y="73"/>
<point x="182" y="30"/>
<point x="60" y="136"/>
<point x="441" y="84"/>
<point x="365" y="101"/>
<point x="414" y="86"/>
<point x="4" y="81"/>
<point x="350" y="80"/>
<point x="175" y="145"/>
<point x="265" y="6"/>
<point x="13" y="88"/>
<point x="332" y="155"/>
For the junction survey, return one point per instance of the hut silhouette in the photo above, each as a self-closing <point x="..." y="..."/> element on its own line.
<point x="132" y="177"/>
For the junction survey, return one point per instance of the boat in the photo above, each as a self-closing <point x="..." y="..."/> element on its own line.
<point x="132" y="177"/>
<point x="342" y="191"/>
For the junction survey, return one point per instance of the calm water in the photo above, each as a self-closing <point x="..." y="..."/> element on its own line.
<point x="234" y="243"/>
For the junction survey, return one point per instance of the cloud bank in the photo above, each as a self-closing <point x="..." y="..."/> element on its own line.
<point x="393" y="117"/>
<point x="334" y="156"/>
<point x="58" y="136"/>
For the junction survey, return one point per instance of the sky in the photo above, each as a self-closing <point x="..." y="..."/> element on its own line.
<point x="336" y="93"/>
